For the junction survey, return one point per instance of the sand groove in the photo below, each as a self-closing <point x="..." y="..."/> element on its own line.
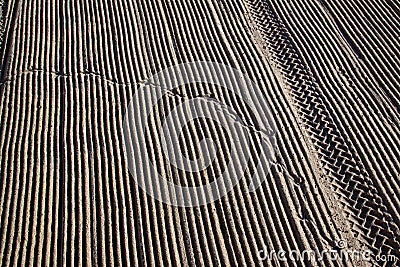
<point x="70" y="68"/>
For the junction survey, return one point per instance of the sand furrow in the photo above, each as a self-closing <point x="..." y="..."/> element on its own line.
<point x="70" y="69"/>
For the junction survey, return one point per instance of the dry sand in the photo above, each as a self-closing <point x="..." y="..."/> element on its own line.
<point x="328" y="70"/>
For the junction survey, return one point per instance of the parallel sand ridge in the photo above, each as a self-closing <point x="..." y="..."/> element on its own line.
<point x="69" y="69"/>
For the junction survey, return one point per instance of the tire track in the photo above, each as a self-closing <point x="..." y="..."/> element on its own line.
<point x="376" y="138"/>
<point x="355" y="115"/>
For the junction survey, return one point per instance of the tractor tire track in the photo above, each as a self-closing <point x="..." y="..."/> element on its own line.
<point x="355" y="189"/>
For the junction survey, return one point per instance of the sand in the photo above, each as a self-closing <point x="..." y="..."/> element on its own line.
<point x="327" y="71"/>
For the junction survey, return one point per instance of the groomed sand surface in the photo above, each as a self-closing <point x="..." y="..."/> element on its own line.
<point x="327" y="70"/>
